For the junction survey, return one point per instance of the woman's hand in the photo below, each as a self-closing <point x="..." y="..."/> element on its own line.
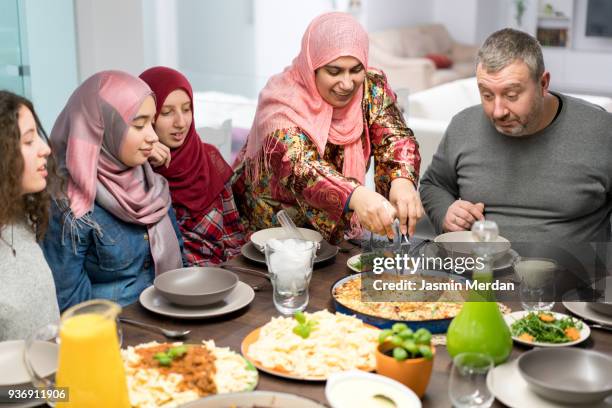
<point x="407" y="203"/>
<point x="373" y="210"/>
<point x="160" y="155"/>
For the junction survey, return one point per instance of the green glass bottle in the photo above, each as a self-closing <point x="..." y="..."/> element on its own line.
<point x="479" y="326"/>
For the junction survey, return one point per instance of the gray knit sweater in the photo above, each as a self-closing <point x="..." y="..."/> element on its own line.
<point x="555" y="184"/>
<point x="27" y="291"/>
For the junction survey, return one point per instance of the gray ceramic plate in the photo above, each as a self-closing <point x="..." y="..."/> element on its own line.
<point x="254" y="399"/>
<point x="582" y="309"/>
<point x="507" y="385"/>
<point x="325" y="253"/>
<point x="568" y="375"/>
<point x="241" y="296"/>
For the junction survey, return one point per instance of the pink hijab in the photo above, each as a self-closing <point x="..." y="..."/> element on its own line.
<point x="86" y="140"/>
<point x="291" y="98"/>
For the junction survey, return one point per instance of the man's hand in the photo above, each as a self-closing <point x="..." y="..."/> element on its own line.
<point x="373" y="210"/>
<point x="160" y="156"/>
<point x="407" y="203"/>
<point x="461" y="215"/>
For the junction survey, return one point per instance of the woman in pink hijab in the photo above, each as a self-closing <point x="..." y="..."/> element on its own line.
<point x="316" y="127"/>
<point x="112" y="228"/>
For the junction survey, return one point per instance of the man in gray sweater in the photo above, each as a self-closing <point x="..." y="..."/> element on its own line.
<point x="538" y="163"/>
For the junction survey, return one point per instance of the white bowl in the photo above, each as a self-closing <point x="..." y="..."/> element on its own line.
<point x="355" y="388"/>
<point x="260" y="238"/>
<point x="462" y="242"/>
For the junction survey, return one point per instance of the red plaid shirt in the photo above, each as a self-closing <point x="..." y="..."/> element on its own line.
<point x="217" y="236"/>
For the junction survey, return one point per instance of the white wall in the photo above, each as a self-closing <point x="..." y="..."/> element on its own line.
<point x="160" y="31"/>
<point x="279" y="27"/>
<point x="51" y="55"/>
<point x="459" y="17"/>
<point x="382" y="14"/>
<point x="216" y="45"/>
<point x="491" y="16"/>
<point x="110" y="36"/>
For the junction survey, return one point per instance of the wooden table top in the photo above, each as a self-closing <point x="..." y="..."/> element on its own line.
<point x="229" y="330"/>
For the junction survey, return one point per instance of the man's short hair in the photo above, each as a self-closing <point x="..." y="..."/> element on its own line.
<point x="508" y="45"/>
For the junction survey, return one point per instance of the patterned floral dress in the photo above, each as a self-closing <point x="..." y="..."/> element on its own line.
<point x="311" y="187"/>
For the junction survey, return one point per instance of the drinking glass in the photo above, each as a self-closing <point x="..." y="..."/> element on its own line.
<point x="290" y="264"/>
<point x="468" y="381"/>
<point x="536" y="283"/>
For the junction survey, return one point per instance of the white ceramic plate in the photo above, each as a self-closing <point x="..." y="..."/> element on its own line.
<point x="260" y="238"/>
<point x="240" y="297"/>
<point x="24" y="404"/>
<point x="352" y="261"/>
<point x="583" y="310"/>
<point x="585" y="331"/>
<point x="14" y="371"/>
<point x="508" y="386"/>
<point x="14" y="374"/>
<point x="270" y="399"/>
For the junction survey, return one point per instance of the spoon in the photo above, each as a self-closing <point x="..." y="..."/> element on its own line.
<point x="171" y="334"/>
<point x="289" y="226"/>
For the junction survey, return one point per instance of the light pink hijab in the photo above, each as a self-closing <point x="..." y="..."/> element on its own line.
<point x="86" y="140"/>
<point x="291" y="99"/>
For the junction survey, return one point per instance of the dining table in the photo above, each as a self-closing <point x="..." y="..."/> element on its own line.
<point x="229" y="330"/>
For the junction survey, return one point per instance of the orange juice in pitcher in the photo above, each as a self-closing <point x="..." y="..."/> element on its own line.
<point x="90" y="364"/>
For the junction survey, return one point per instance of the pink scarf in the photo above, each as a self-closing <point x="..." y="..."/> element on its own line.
<point x="86" y="140"/>
<point x="291" y="98"/>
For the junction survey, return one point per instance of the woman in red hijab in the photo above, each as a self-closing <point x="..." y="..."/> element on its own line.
<point x="198" y="175"/>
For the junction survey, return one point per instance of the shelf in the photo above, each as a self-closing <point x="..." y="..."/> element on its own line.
<point x="555" y="18"/>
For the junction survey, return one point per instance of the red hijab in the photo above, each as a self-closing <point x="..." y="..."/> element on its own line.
<point x="197" y="173"/>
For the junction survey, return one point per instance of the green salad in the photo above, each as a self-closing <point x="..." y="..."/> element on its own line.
<point x="365" y="262"/>
<point x="544" y="327"/>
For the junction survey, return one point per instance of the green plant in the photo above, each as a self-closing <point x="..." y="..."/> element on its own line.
<point x="520" y="11"/>
<point x="406" y="343"/>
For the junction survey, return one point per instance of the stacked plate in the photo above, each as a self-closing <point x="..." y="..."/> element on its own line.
<point x="253" y="250"/>
<point x="14" y="375"/>
<point x="196" y="293"/>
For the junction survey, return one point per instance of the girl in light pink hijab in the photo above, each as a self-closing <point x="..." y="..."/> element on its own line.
<point x="113" y="229"/>
<point x="316" y="127"/>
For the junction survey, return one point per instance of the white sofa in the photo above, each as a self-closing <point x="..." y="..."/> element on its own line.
<point x="429" y="112"/>
<point x="400" y="53"/>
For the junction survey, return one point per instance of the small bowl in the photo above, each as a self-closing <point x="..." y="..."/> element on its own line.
<point x="260" y="238"/>
<point x="601" y="307"/>
<point x="462" y="243"/>
<point x="196" y="286"/>
<point x="357" y="388"/>
<point x="567" y="375"/>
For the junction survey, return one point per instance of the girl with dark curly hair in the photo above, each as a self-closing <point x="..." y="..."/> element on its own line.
<point x="27" y="291"/>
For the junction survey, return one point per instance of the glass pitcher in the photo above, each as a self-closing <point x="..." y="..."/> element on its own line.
<point x="90" y="369"/>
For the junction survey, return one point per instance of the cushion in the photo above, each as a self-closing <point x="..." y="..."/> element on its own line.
<point x="442" y="61"/>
